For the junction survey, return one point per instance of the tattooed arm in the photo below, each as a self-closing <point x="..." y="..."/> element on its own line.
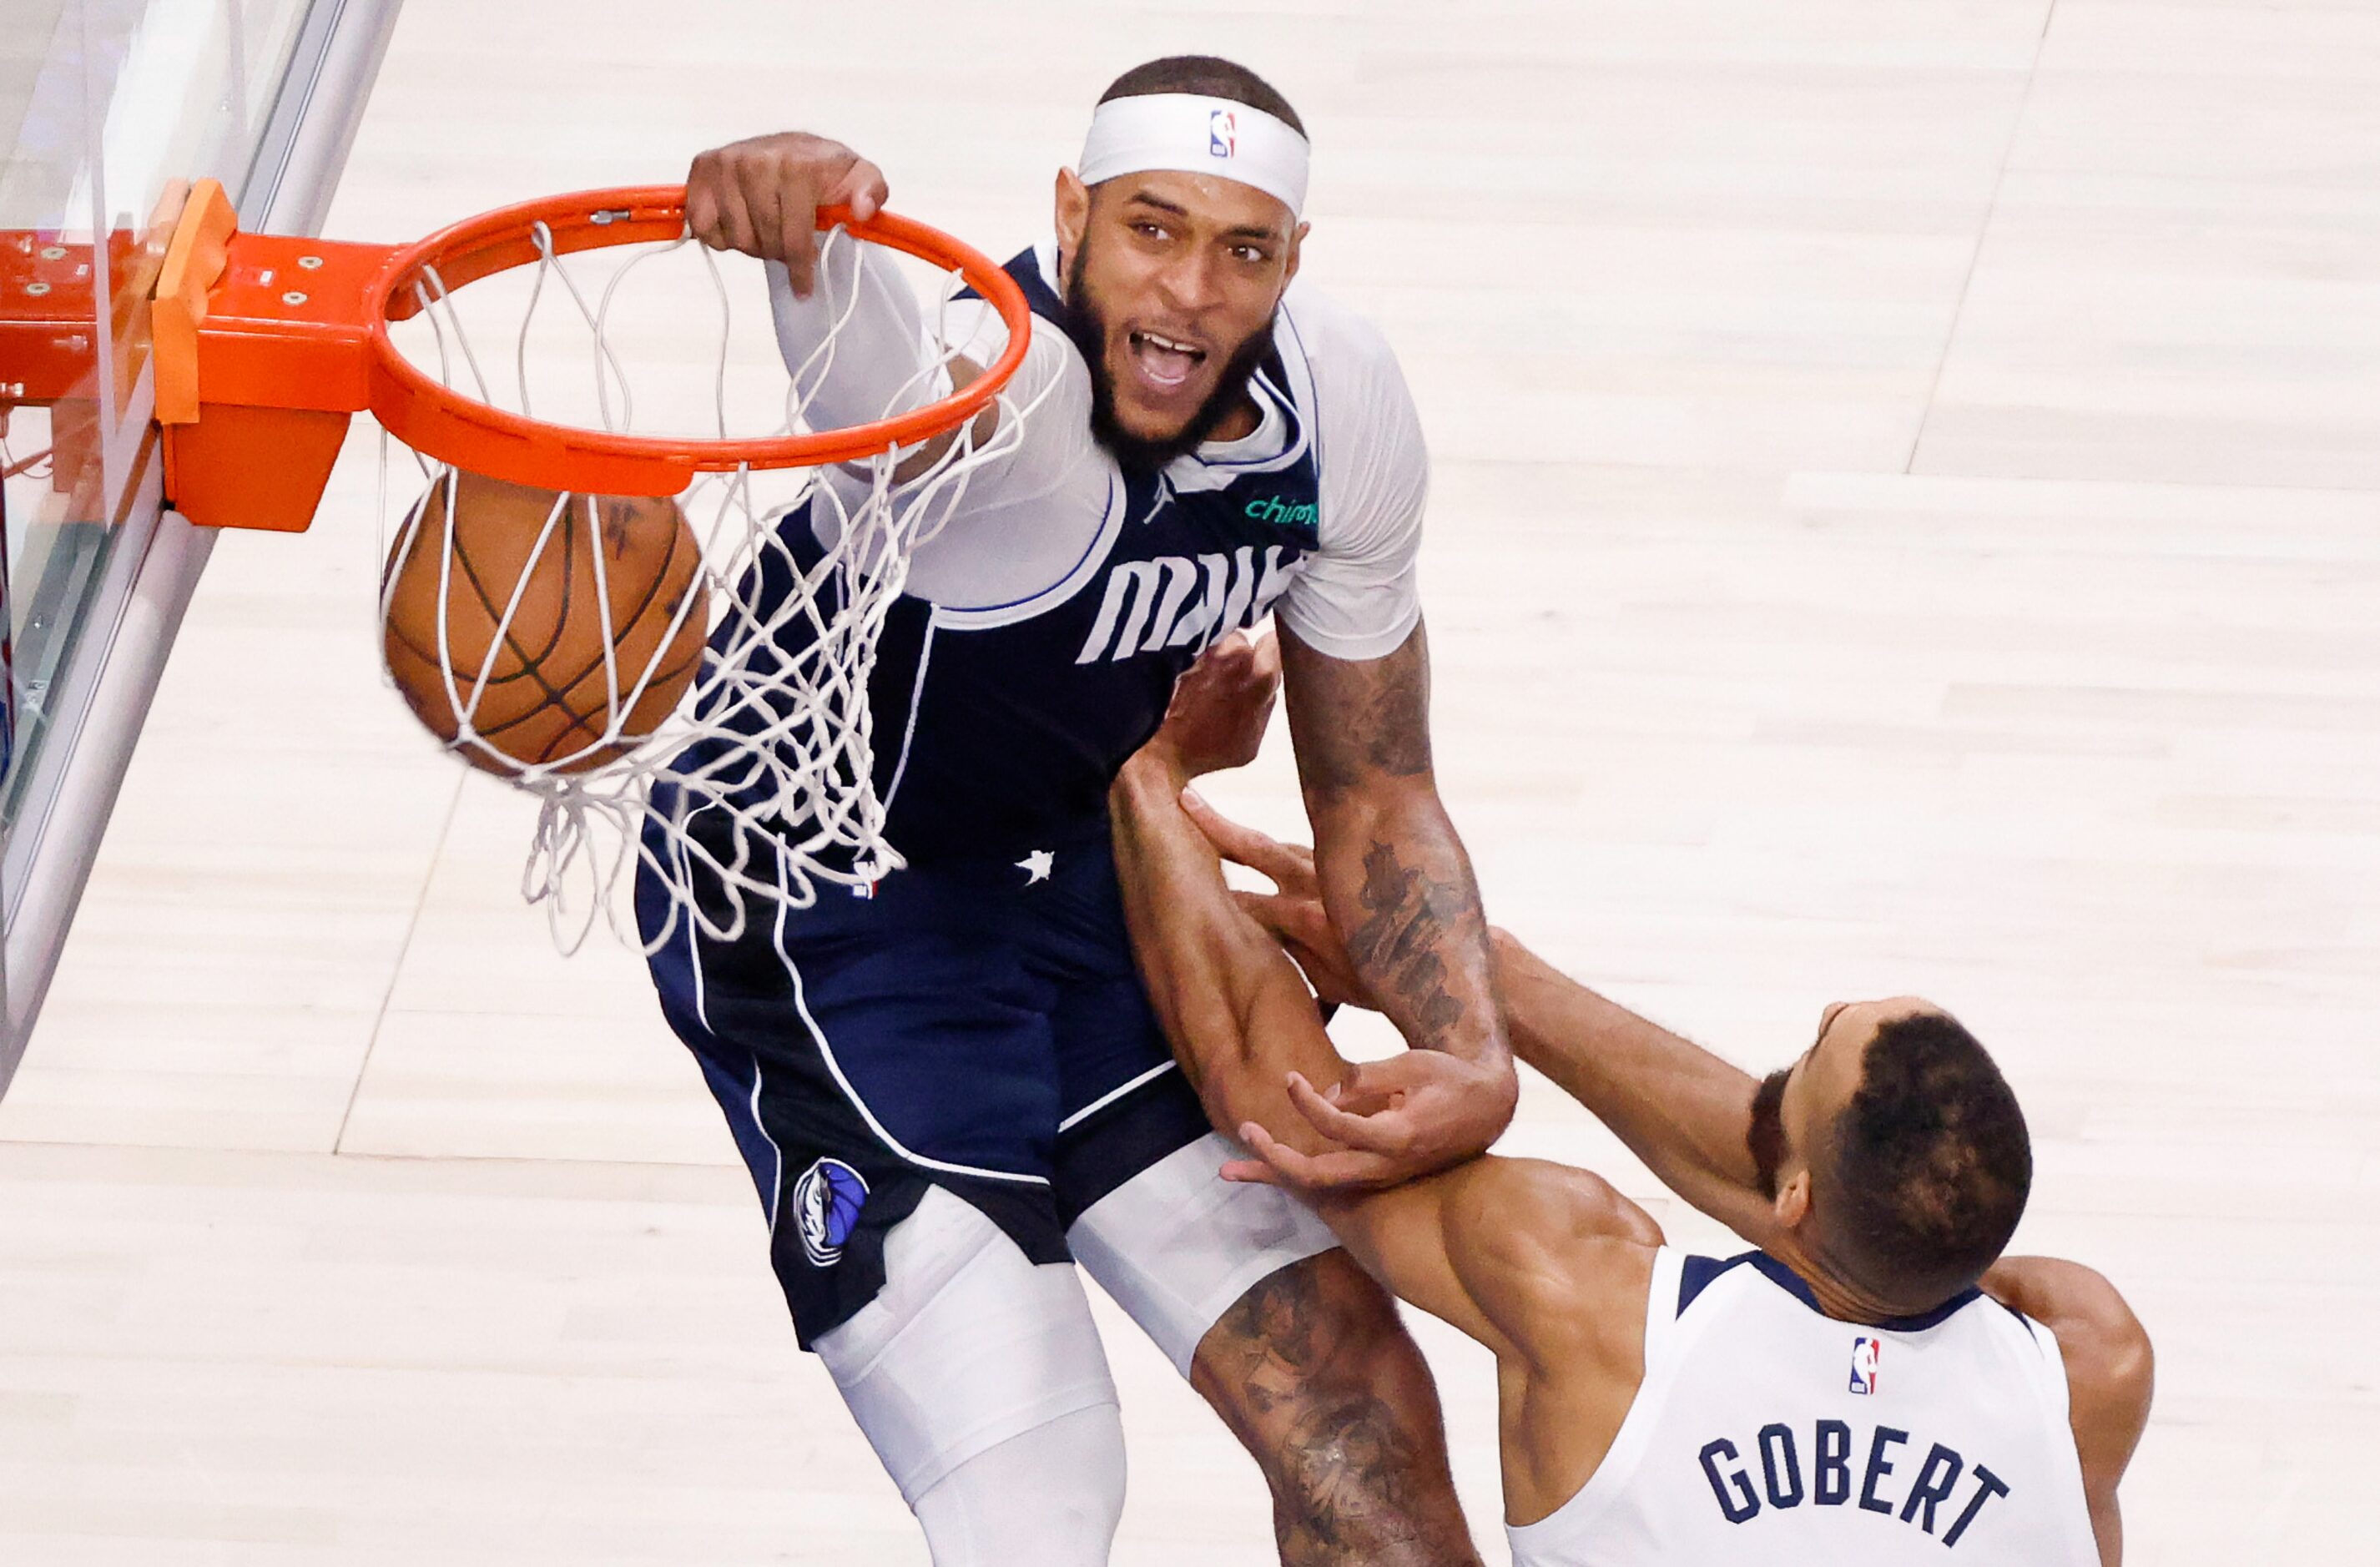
<point x="1400" y="892"/>
<point x="1544" y="1265"/>
<point x="1687" y="1113"/>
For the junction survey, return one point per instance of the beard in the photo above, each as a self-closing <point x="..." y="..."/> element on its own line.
<point x="1766" y="1136"/>
<point x="1137" y="455"/>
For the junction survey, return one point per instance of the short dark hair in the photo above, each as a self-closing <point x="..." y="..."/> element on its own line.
<point x="1930" y="1163"/>
<point x="1208" y="77"/>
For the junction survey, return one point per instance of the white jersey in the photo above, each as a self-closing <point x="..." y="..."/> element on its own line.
<point x="1769" y="1432"/>
<point x="1028" y="523"/>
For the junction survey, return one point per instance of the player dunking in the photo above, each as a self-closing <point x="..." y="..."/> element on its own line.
<point x="1852" y="1394"/>
<point x="952" y="1087"/>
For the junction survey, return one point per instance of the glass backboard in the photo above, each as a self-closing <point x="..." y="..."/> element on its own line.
<point x="110" y="109"/>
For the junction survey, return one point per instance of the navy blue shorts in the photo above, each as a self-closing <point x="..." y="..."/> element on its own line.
<point x="977" y="1026"/>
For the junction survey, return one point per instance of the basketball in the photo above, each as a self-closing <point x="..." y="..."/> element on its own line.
<point x="535" y="607"/>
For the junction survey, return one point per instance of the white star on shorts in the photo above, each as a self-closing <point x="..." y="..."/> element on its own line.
<point x="1037" y="866"/>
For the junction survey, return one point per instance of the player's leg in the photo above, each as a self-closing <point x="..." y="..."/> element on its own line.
<point x="1314" y="1370"/>
<point x="978" y="1378"/>
<point x="1242" y="1287"/>
<point x="893" y="1094"/>
<point x="1301" y="1353"/>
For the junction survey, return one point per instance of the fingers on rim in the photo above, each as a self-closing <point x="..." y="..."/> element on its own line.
<point x="702" y="211"/>
<point x="765" y="207"/>
<point x="862" y="188"/>
<point x="735" y="220"/>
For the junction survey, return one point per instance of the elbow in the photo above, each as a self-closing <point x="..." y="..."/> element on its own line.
<point x="2114" y="1337"/>
<point x="2104" y="1344"/>
<point x="1337" y="804"/>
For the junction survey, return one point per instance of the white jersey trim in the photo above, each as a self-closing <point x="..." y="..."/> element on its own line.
<point x="1663" y="1327"/>
<point x="851" y="1092"/>
<point x="1033" y="525"/>
<point x="1095" y="555"/>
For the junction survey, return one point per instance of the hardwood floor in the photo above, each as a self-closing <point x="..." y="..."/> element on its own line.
<point x="1906" y="518"/>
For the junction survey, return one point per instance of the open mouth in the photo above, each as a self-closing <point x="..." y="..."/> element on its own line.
<point x="1166" y="364"/>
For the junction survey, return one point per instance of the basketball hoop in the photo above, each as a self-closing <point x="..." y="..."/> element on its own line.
<point x="750" y="777"/>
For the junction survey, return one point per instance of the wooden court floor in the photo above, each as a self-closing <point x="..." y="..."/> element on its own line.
<point x="1907" y="517"/>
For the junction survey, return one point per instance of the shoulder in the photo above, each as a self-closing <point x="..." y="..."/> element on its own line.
<point x="1375" y="460"/>
<point x="2098" y="1332"/>
<point x="2110" y="1364"/>
<point x="1348" y="353"/>
<point x="1555" y="1255"/>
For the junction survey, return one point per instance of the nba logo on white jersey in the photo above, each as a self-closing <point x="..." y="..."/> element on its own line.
<point x="1222" y="133"/>
<point x="1865" y="1353"/>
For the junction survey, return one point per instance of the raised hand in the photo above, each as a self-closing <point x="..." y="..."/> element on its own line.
<point x="1221" y="705"/>
<point x="762" y="196"/>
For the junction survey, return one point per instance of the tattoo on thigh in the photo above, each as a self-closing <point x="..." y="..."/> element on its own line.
<point x="1292" y="1366"/>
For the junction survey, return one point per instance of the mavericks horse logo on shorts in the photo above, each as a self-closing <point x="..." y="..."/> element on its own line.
<point x="826" y="1206"/>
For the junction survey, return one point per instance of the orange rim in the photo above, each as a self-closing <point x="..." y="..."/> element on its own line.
<point x="448" y="425"/>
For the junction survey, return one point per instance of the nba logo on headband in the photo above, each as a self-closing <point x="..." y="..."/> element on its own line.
<point x="1191" y="133"/>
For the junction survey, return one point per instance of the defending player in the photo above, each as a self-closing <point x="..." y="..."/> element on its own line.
<point x="1853" y="1393"/>
<point x="949" y="1087"/>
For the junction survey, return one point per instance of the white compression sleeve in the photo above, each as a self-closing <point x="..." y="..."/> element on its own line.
<point x="1177" y="1246"/>
<point x="856" y="347"/>
<point x="1050" y="1496"/>
<point x="968" y="1345"/>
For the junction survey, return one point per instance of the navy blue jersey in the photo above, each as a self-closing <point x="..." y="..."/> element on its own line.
<point x="1013" y="729"/>
<point x="999" y="729"/>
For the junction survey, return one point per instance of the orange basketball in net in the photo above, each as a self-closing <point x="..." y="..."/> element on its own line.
<point x="517" y="601"/>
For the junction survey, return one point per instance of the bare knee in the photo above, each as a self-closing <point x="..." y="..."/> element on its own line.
<point x="1319" y="1378"/>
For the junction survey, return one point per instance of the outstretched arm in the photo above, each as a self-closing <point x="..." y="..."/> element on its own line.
<point x="1682" y="1109"/>
<point x="1244" y="1028"/>
<point x="1399" y="889"/>
<point x="1679" y="1108"/>
<point x="2110" y="1373"/>
<point x="1246" y="1032"/>
<point x="848" y="326"/>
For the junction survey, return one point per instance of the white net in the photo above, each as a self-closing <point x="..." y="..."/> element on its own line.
<point x="754" y="784"/>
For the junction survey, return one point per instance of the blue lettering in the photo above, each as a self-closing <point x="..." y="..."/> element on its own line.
<point x="1778" y="1456"/>
<point x="1737" y="1512"/>
<point x="1928" y="1492"/>
<point x="1878" y="1467"/>
<point x="1781" y="1487"/>
<point x="1988" y="1486"/>
<point x="1833" y="1469"/>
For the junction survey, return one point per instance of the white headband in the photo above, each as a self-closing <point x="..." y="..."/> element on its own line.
<point x="1189" y="134"/>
